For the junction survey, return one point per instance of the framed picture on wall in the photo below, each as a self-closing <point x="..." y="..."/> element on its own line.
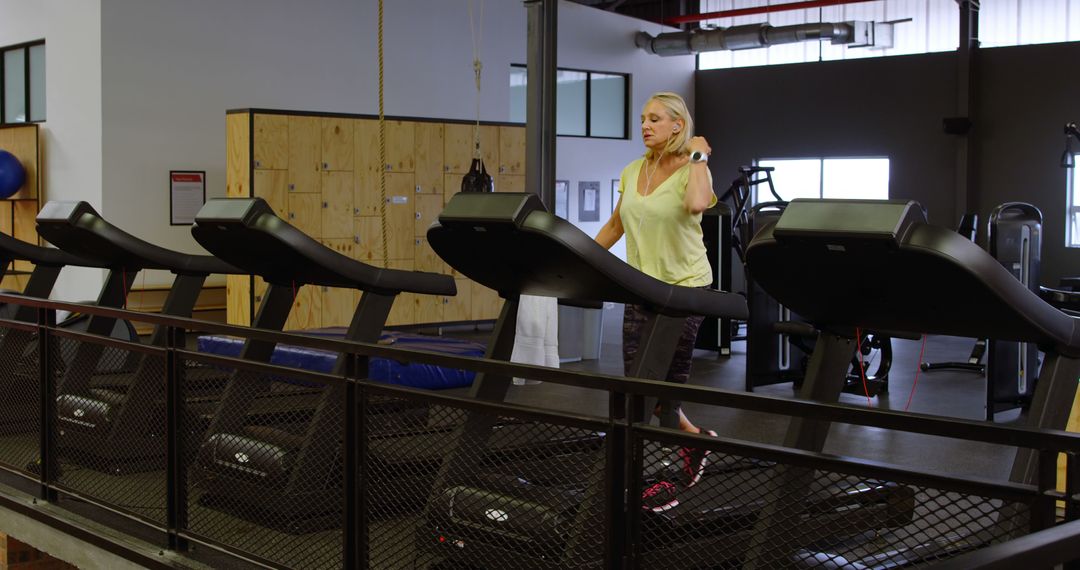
<point x="187" y="194"/>
<point x="589" y="201"/>
<point x="562" y="199"/>
<point x="614" y="194"/>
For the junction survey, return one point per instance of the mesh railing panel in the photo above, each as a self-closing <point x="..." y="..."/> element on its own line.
<point x="20" y="399"/>
<point x="477" y="489"/>
<point x="111" y="426"/>
<point x="749" y="513"/>
<point x="265" y="471"/>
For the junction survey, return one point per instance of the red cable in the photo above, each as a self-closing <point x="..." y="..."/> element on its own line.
<point x="862" y="367"/>
<point x="917" y="369"/>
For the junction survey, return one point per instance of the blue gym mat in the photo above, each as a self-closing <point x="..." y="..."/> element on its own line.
<point x="410" y="374"/>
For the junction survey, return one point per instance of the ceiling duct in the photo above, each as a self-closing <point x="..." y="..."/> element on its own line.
<point x="874" y="35"/>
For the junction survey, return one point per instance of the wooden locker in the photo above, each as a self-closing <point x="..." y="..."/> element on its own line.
<point x="338" y="304"/>
<point x="428" y="208"/>
<point x="238" y="300"/>
<point x="425" y="258"/>
<point x="512" y="150"/>
<point x="271" y="144"/>
<point x="7" y="209"/>
<point x="509" y="183"/>
<point x="429" y="158"/>
<point x="305" y="154"/>
<point x="338" y="144"/>
<point x="400" y="215"/>
<point x="23" y="143"/>
<point x="272" y="186"/>
<point x="404" y="310"/>
<point x="366" y="190"/>
<point x="306" y="309"/>
<point x="305" y="213"/>
<point x="337" y="205"/>
<point x="459" y="307"/>
<point x="25" y="223"/>
<point x="238" y="155"/>
<point x="400" y="146"/>
<point x="367" y="239"/>
<point x="429" y="309"/>
<point x="458" y="148"/>
<point x="485" y="303"/>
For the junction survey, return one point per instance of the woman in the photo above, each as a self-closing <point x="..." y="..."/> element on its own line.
<point x="662" y="196"/>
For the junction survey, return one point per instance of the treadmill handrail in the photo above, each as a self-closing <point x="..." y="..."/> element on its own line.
<point x="510" y="268"/>
<point x="910" y="286"/>
<point x="18" y="249"/>
<point x="78" y="229"/>
<point x="234" y="240"/>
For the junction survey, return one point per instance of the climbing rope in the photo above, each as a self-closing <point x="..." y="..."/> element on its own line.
<point x="382" y="150"/>
<point x="478" y="67"/>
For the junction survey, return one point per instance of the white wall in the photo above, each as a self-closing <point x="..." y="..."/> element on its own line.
<point x="72" y="134"/>
<point x="169" y="71"/>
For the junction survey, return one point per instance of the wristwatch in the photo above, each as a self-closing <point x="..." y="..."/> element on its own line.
<point x="698" y="156"/>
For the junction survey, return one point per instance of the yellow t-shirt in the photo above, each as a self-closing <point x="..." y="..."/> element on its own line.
<point x="663" y="240"/>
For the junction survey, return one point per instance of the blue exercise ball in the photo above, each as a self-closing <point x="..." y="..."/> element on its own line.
<point x="12" y="174"/>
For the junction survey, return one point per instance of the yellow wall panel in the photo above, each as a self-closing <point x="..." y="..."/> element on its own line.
<point x="337" y="204"/>
<point x="400" y="146"/>
<point x="238" y="155"/>
<point x="512" y="150"/>
<point x="305" y="213"/>
<point x="338" y="143"/>
<point x="305" y="154"/>
<point x="271" y="143"/>
<point x="428" y="208"/>
<point x="429" y="158"/>
<point x="272" y="186"/>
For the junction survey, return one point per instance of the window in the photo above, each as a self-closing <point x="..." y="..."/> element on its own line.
<point x="1072" y="222"/>
<point x="934" y="27"/>
<point x="587" y="103"/>
<point x="864" y="178"/>
<point x="22" y="83"/>
<point x="1020" y="22"/>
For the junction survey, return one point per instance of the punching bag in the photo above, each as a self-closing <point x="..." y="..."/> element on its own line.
<point x="477" y="179"/>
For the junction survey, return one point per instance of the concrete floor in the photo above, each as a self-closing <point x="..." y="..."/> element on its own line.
<point x="953" y="394"/>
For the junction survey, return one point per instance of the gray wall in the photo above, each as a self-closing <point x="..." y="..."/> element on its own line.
<point x="171" y="69"/>
<point x="894" y="107"/>
<point x="1028" y="93"/>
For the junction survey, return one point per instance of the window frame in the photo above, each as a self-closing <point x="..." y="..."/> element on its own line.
<point x="25" y="47"/>
<point x="821" y="172"/>
<point x="588" y="102"/>
<point x="1072" y="234"/>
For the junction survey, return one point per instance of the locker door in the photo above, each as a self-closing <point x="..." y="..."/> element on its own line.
<point x="338" y="145"/>
<point x="429" y="158"/>
<point x="271" y="144"/>
<point x="305" y="152"/>
<point x="337" y="204"/>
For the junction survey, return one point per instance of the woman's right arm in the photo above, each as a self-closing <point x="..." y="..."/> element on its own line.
<point x="612" y="231"/>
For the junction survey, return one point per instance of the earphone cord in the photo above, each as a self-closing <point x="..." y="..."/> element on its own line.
<point x="648" y="183"/>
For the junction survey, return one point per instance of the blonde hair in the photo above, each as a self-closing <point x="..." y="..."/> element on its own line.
<point x="679" y="143"/>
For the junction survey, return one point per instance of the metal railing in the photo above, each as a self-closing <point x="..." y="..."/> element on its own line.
<point x="279" y="467"/>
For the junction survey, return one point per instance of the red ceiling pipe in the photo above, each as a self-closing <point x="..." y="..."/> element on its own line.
<point x="691" y="18"/>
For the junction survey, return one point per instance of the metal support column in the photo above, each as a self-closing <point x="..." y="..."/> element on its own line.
<point x="966" y="106"/>
<point x="540" y="100"/>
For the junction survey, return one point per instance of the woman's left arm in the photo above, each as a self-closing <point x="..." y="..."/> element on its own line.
<point x="699" y="192"/>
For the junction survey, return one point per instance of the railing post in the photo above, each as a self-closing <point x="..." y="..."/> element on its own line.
<point x="49" y="465"/>
<point x="1043" y="510"/>
<point x="355" y="522"/>
<point x="620" y="475"/>
<point x="176" y="515"/>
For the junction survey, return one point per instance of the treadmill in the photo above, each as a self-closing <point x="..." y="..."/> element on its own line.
<point x="911" y="277"/>
<point x="542" y="518"/>
<point x="19" y="411"/>
<point x="288" y="474"/>
<point x="112" y="416"/>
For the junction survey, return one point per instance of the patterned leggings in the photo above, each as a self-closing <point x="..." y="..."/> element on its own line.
<point x="634" y="317"/>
